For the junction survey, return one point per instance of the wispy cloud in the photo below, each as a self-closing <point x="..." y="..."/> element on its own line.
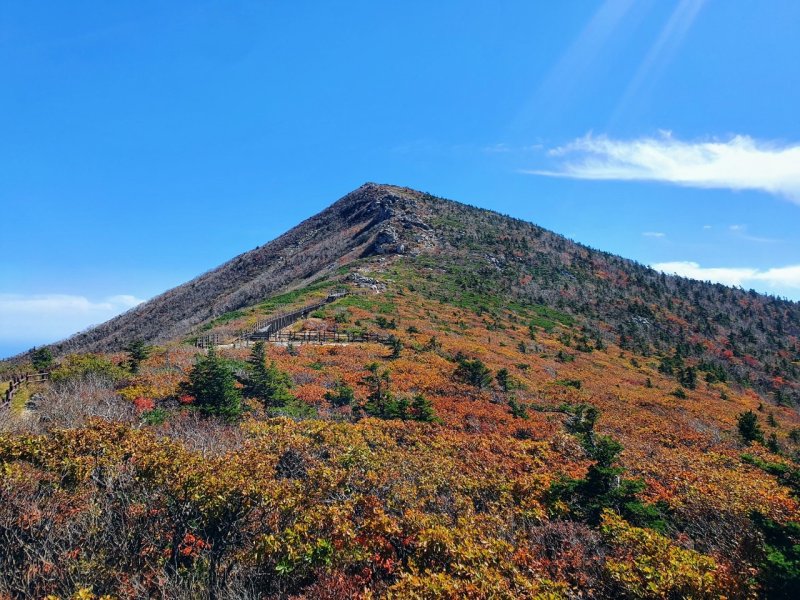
<point x="776" y="278"/>
<point x="654" y="234"/>
<point x="740" y="163"/>
<point x="740" y="232"/>
<point x="45" y="318"/>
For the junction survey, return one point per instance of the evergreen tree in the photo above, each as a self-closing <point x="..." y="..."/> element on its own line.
<point x="433" y="344"/>
<point x="213" y="385"/>
<point x="422" y="409"/>
<point x="383" y="404"/>
<point x="517" y="410"/>
<point x="749" y="428"/>
<point x="474" y="372"/>
<point x="42" y="358"/>
<point x="603" y="487"/>
<point x="395" y="345"/>
<point x="265" y="382"/>
<point x="377" y="381"/>
<point x="397" y="408"/>
<point x="503" y="379"/>
<point x="341" y="394"/>
<point x="780" y="565"/>
<point x="688" y="378"/>
<point x="137" y="352"/>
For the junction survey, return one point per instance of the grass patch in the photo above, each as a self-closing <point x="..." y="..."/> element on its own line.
<point x="371" y="304"/>
<point x="573" y="383"/>
<point x="228" y="316"/>
<point x="282" y="300"/>
<point x="547" y="318"/>
<point x="24" y="393"/>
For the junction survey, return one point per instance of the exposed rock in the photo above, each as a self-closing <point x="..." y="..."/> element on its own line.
<point x="369" y="221"/>
<point x="386" y="242"/>
<point x="363" y="281"/>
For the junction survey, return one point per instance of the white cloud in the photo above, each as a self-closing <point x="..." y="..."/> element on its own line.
<point x="654" y="234"/>
<point x="740" y="163"/>
<point x="783" y="278"/>
<point x="45" y="318"/>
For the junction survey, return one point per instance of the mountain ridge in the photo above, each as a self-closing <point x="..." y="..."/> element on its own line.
<point x="482" y="252"/>
<point x="251" y="275"/>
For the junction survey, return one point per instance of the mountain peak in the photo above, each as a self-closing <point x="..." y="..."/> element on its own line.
<point x="473" y="257"/>
<point x="374" y="219"/>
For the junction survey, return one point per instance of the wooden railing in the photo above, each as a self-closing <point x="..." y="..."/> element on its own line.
<point x="261" y="329"/>
<point x="318" y="337"/>
<point x="18" y="380"/>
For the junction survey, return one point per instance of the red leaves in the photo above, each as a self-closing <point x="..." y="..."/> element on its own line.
<point x="192" y="546"/>
<point x="144" y="404"/>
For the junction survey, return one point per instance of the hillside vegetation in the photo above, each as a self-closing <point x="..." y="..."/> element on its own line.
<point x="543" y="421"/>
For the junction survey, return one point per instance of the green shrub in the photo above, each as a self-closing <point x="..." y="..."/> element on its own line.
<point x="341" y="394"/>
<point x="157" y="416"/>
<point x="81" y="366"/>
<point x="473" y="372"/>
<point x="573" y="383"/>
<point x="780" y="566"/>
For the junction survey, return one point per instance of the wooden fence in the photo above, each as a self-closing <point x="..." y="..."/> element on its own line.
<point x="261" y="330"/>
<point x="317" y="337"/>
<point x="18" y="380"/>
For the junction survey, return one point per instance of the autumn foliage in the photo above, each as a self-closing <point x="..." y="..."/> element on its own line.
<point x="493" y="451"/>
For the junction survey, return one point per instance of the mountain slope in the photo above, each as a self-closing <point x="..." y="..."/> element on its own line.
<point x="547" y="421"/>
<point x="477" y="253"/>
<point x="358" y="224"/>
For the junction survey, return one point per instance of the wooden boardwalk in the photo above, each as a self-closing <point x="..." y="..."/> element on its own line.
<point x="271" y="330"/>
<point x="18" y="380"/>
<point x="317" y="337"/>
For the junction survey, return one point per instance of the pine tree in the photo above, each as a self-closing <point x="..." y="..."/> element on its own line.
<point x="341" y="394"/>
<point x="503" y="379"/>
<point x="749" y="428"/>
<point x="604" y="485"/>
<point x="474" y="372"/>
<point x="137" y="352"/>
<point x="422" y="410"/>
<point x="266" y="383"/>
<point x="688" y="378"/>
<point x="395" y="345"/>
<point x="42" y="358"/>
<point x="213" y="385"/>
<point x="518" y="410"/>
<point x="380" y="396"/>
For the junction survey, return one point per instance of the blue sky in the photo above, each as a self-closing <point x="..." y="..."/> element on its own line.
<point x="143" y="143"/>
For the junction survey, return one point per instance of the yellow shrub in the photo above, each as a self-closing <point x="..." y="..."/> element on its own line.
<point x="647" y="564"/>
